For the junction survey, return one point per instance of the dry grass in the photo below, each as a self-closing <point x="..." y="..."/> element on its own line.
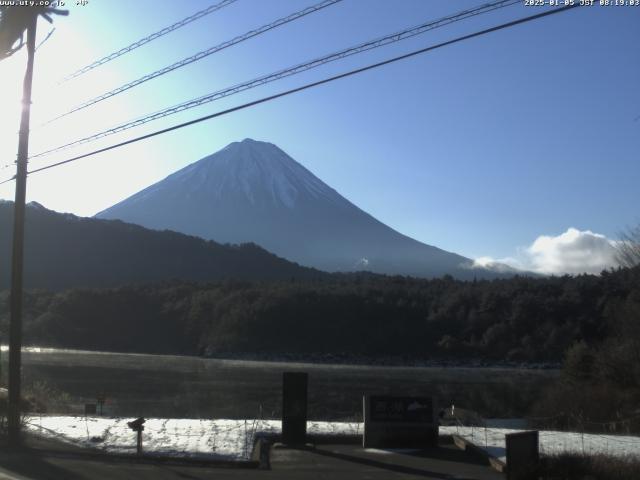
<point x="593" y="467"/>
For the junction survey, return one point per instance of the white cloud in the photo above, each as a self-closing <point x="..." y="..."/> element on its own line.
<point x="572" y="252"/>
<point x="502" y="265"/>
<point x="483" y="262"/>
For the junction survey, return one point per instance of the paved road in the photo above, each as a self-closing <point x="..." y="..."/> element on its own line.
<point x="331" y="462"/>
<point x="29" y="467"/>
<point x="337" y="462"/>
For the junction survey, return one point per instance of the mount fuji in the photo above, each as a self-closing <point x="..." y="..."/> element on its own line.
<point x="252" y="191"/>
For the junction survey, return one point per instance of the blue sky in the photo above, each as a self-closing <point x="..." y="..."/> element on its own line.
<point x="479" y="148"/>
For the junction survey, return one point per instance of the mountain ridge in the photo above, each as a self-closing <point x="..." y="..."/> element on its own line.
<point x="253" y="191"/>
<point x="65" y="251"/>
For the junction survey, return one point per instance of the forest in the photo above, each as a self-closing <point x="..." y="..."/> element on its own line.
<point x="588" y="324"/>
<point x="517" y="320"/>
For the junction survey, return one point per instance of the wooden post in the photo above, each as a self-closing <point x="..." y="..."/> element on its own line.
<point x="15" y="325"/>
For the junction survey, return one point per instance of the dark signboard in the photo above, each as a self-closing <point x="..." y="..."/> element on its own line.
<point x="137" y="425"/>
<point x="522" y="455"/>
<point x="401" y="409"/>
<point x="294" y="407"/>
<point x="399" y="422"/>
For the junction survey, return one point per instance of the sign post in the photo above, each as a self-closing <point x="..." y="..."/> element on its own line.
<point x="138" y="426"/>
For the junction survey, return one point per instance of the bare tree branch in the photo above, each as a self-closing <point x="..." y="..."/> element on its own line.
<point x="628" y="247"/>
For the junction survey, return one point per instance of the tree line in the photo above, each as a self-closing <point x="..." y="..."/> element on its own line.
<point x="521" y="319"/>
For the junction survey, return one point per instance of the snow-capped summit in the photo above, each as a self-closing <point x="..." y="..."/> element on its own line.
<point x="252" y="191"/>
<point x="260" y="171"/>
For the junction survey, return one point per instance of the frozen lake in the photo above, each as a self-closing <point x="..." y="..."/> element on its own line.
<point x="192" y="387"/>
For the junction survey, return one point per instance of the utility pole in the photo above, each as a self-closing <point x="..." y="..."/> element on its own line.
<point x="15" y="326"/>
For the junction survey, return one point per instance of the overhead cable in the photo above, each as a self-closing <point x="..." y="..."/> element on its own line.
<point x="310" y="85"/>
<point x="148" y="38"/>
<point x="198" y="56"/>
<point x="362" y="47"/>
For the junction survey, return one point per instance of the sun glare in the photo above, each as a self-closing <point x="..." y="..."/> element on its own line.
<point x="61" y="53"/>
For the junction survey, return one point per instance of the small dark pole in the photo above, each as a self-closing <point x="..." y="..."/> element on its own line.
<point x="15" y="326"/>
<point x="139" y="444"/>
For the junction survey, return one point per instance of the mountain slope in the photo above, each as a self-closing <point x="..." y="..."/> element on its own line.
<point x="62" y="251"/>
<point x="254" y="192"/>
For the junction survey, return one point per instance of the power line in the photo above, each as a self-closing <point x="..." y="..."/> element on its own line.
<point x="311" y="85"/>
<point x="363" y="47"/>
<point x="198" y="56"/>
<point x="149" y="38"/>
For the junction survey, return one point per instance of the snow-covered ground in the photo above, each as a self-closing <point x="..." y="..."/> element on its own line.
<point x="216" y="439"/>
<point x="492" y="440"/>
<point x="233" y="439"/>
